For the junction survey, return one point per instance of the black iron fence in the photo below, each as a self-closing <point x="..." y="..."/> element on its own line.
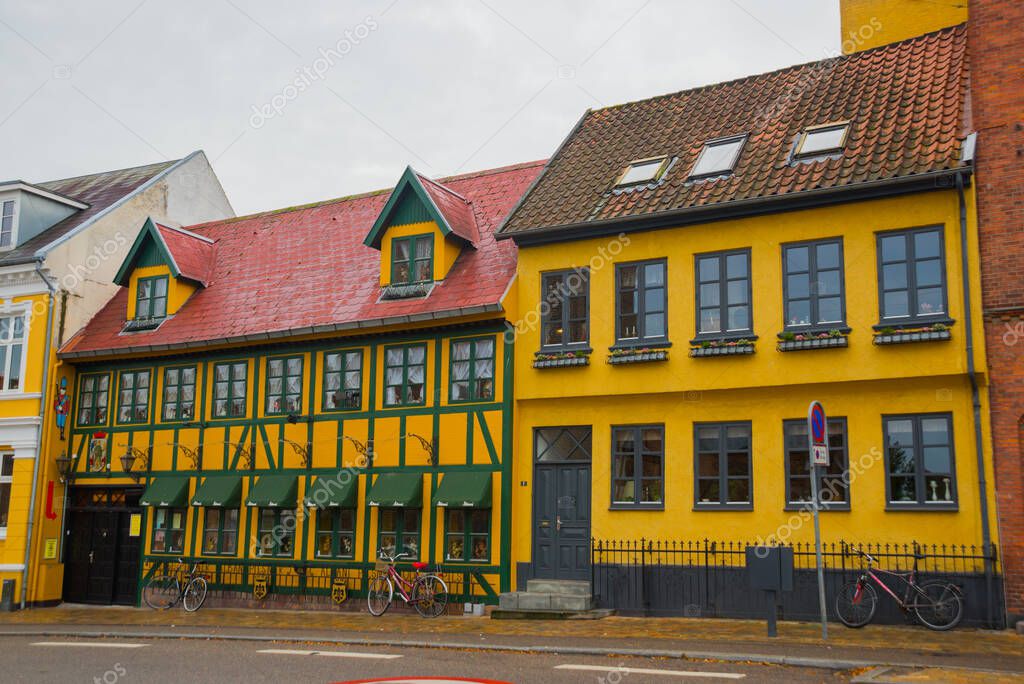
<point x="707" y="578"/>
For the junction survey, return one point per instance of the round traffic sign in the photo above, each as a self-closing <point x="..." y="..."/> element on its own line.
<point x="818" y="431"/>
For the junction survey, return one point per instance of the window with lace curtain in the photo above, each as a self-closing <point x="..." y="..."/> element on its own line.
<point x="405" y="375"/>
<point x="472" y="370"/>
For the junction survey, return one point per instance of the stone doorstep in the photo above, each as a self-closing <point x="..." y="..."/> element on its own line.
<point x="566" y="587"/>
<point x="535" y="601"/>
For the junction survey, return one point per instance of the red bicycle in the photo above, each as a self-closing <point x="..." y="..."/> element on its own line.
<point x="428" y="594"/>
<point x="938" y="605"/>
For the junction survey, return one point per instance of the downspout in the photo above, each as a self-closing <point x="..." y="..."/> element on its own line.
<point x="44" y="382"/>
<point x="986" y="533"/>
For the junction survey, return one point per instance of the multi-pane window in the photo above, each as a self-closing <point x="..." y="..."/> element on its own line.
<point x="133" y="397"/>
<point x="467" y="535"/>
<point x="472" y="374"/>
<point x="335" y="532"/>
<point x="220" y="531"/>
<point x="832" y="486"/>
<point x="276" y="532"/>
<point x="168" y="530"/>
<point x="6" y="223"/>
<point x="343" y="380"/>
<point x="405" y="373"/>
<point x="912" y="275"/>
<point x="398" y="531"/>
<point x="151" y="299"/>
<point x="230" y="384"/>
<point x="179" y="393"/>
<point x="564" y="308"/>
<point x="813" y="284"/>
<point x="555" y="444"/>
<point x="284" y="385"/>
<point x="919" y="460"/>
<point x="6" y="480"/>
<point x="412" y="259"/>
<point x="93" y="399"/>
<point x="642" y="302"/>
<point x="12" y="351"/>
<point x="723" y="293"/>
<point x="638" y="466"/>
<point x="723" y="452"/>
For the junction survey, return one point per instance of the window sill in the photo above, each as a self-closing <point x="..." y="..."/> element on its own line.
<point x="638" y="356"/>
<point x="406" y="291"/>
<point x="944" y="507"/>
<point x="564" y="360"/>
<point x="806" y="506"/>
<point x="909" y="336"/>
<point x="630" y="346"/>
<point x="142" y="324"/>
<point x="903" y="325"/>
<point x="637" y="507"/>
<point x="9" y="395"/>
<point x="738" y="348"/>
<point x="717" y="507"/>
<point x="813" y="343"/>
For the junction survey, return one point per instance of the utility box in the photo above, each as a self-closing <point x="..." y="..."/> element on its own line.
<point x="770" y="568"/>
<point x="7" y="596"/>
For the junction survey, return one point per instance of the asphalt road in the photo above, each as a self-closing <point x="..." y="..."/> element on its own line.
<point x="121" y="661"/>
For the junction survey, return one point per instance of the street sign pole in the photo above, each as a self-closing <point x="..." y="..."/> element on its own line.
<point x="817" y="437"/>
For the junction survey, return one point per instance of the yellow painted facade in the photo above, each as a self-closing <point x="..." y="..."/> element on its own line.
<point x="446" y="250"/>
<point x="870" y="23"/>
<point x="178" y="289"/>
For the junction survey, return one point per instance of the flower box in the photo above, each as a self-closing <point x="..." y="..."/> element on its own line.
<point x="906" y="336"/>
<point x="812" y="343"/>
<point x="550" y="361"/>
<point x="637" y="356"/>
<point x="723" y="349"/>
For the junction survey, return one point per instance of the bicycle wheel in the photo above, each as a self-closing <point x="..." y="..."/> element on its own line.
<point x="195" y="594"/>
<point x="379" y="595"/>
<point x="161" y="592"/>
<point x="938" y="605"/>
<point x="856" y="603"/>
<point x="430" y="596"/>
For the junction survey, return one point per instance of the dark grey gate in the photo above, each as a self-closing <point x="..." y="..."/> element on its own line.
<point x="561" y="503"/>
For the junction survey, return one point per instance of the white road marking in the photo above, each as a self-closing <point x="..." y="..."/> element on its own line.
<point x="334" y="654"/>
<point x="639" y="670"/>
<point x="89" y="644"/>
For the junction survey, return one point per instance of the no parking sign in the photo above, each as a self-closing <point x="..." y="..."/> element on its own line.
<point x="817" y="428"/>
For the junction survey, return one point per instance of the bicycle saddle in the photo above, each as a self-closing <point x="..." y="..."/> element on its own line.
<point x="419" y="566"/>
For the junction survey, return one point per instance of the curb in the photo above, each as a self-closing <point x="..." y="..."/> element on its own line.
<point x="759" y="658"/>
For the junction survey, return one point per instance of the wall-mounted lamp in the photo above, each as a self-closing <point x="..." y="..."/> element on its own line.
<point x="65" y="467"/>
<point x="129" y="457"/>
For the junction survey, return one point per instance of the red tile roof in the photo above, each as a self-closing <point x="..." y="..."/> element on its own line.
<point x="905" y="103"/>
<point x="456" y="209"/>
<point x="292" y="271"/>
<point x="193" y="254"/>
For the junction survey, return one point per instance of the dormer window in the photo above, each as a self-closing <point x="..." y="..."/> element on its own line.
<point x="821" y="140"/>
<point x="151" y="300"/>
<point x="412" y="259"/>
<point x="643" y="171"/>
<point x="718" y="157"/>
<point x="6" y="224"/>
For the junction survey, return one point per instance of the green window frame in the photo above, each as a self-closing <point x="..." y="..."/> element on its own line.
<point x="467" y="535"/>
<point x="405" y="375"/>
<point x="336" y="533"/>
<point x="284" y="385"/>
<point x="168" y="530"/>
<point x="471" y="370"/>
<point x="230" y="389"/>
<point x="276" y="533"/>
<point x="343" y="380"/>
<point x="151" y="298"/>
<point x="133" y="397"/>
<point x="220" y="531"/>
<point x="93" y="399"/>
<point x="412" y="259"/>
<point x="398" y="531"/>
<point x="179" y="393"/>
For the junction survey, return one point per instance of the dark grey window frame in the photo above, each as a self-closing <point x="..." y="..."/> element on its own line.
<point x="825" y="505"/>
<point x="723" y="299"/>
<point x="912" y="319"/>
<point x="723" y="478"/>
<point x="587" y="437"/>
<point x="584" y="345"/>
<point x="642" y="339"/>
<point x="812" y="273"/>
<point x="638" y="477"/>
<point x="919" y="476"/>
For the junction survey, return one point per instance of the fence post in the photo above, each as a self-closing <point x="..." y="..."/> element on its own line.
<point x="643" y="575"/>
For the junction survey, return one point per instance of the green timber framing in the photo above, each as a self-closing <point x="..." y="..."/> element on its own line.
<point x="305" y="574"/>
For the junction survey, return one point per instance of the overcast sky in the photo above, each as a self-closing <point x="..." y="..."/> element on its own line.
<point x="300" y="101"/>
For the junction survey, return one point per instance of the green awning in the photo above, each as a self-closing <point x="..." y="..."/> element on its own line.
<point x="331" y="491"/>
<point x="397" y="489"/>
<point x="166" y="492"/>
<point x="464" y="490"/>
<point x="219" y="490"/>
<point x="274" y="491"/>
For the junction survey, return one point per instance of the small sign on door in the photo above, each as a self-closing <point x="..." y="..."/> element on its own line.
<point x="50" y="549"/>
<point x="135" y="525"/>
<point x="819" y="455"/>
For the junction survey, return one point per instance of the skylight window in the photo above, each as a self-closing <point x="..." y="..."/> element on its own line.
<point x="643" y="171"/>
<point x="718" y="157"/>
<point x="822" y="139"/>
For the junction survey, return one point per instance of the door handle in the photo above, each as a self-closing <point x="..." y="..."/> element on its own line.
<point x="558" y="522"/>
<point x="545" y="523"/>
<point x="90" y="558"/>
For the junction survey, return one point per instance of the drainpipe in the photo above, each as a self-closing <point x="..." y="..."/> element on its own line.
<point x="986" y="534"/>
<point x="42" y="425"/>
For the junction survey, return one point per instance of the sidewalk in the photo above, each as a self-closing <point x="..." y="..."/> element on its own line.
<point x="717" y="639"/>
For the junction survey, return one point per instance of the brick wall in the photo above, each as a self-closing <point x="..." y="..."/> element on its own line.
<point x="997" y="73"/>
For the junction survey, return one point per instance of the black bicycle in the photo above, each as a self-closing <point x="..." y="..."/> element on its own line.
<point x="188" y="586"/>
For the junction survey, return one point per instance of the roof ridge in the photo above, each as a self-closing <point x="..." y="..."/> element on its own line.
<point x="488" y="172"/>
<point x="793" y="67"/>
<point x="189" y="233"/>
<point x="442" y="187"/>
<point x="168" y="162"/>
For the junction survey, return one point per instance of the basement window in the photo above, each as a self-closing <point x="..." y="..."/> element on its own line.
<point x="820" y="140"/>
<point x="643" y="171"/>
<point x="718" y="157"/>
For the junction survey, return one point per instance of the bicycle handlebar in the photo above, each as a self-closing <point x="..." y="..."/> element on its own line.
<point x="384" y="556"/>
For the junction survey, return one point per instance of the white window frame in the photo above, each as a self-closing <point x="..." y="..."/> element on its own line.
<point x="14" y="220"/>
<point x="8" y="480"/>
<point x="739" y="140"/>
<point x="14" y="312"/>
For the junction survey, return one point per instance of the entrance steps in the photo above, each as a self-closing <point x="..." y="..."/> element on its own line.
<point x="550" y="600"/>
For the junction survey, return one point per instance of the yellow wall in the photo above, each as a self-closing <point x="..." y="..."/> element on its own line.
<point x="870" y="23"/>
<point x="445" y="251"/>
<point x="178" y="290"/>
